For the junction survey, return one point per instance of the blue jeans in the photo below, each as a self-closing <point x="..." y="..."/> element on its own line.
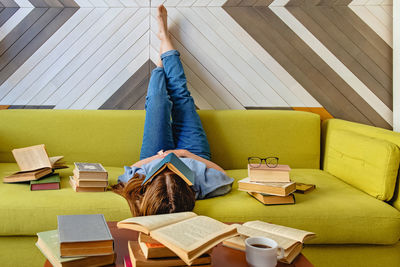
<point x="168" y="97"/>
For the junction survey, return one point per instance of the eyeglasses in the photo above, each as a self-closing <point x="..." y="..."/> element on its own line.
<point x="255" y="162"/>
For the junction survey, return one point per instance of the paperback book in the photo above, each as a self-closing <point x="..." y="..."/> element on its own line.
<point x="264" y="173"/>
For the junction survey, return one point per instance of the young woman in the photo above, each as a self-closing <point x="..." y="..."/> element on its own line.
<point x="168" y="96"/>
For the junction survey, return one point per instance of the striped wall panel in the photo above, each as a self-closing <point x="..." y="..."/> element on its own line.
<point x="333" y="58"/>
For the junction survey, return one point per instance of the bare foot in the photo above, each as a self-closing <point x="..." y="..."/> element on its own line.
<point x="162" y="23"/>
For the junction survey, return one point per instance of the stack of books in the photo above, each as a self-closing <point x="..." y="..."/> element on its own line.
<point x="176" y="239"/>
<point x="81" y="240"/>
<point x="270" y="186"/>
<point x="89" y="177"/>
<point x="36" y="167"/>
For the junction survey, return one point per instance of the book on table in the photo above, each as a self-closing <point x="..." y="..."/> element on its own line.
<point x="277" y="189"/>
<point x="173" y="163"/>
<point x="84" y="170"/>
<point x="49" y="244"/>
<point x="27" y="176"/>
<point x="290" y="239"/>
<point x="138" y="259"/>
<point x="185" y="233"/>
<point x="50" y="182"/>
<point x="273" y="200"/>
<point x="84" y="235"/>
<point x="264" y="173"/>
<point x="77" y="188"/>
<point x="154" y="249"/>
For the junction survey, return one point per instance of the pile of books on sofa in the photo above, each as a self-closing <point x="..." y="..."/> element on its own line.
<point x="36" y="168"/>
<point x="271" y="185"/>
<point x="89" y="177"/>
<point x="176" y="239"/>
<point x="80" y="240"/>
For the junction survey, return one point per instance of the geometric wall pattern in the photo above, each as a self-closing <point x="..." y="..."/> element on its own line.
<point x="333" y="56"/>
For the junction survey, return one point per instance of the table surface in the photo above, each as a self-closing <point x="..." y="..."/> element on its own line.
<point x="221" y="256"/>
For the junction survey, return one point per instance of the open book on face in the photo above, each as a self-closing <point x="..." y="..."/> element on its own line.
<point x="290" y="239"/>
<point x="173" y="163"/>
<point x="186" y="234"/>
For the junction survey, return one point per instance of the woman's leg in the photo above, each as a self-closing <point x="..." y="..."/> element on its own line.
<point x="187" y="129"/>
<point x="157" y="127"/>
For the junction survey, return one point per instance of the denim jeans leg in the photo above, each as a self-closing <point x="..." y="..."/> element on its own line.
<point x="157" y="133"/>
<point x="187" y="129"/>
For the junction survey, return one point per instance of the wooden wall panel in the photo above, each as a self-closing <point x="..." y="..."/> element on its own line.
<point x="333" y="58"/>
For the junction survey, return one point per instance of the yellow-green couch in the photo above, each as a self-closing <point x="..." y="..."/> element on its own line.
<point x="354" y="211"/>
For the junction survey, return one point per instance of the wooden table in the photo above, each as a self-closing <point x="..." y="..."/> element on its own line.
<point x="221" y="256"/>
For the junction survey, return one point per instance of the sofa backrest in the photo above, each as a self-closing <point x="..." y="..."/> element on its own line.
<point x="385" y="141"/>
<point x="114" y="137"/>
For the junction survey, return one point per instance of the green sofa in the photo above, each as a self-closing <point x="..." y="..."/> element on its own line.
<point x="354" y="210"/>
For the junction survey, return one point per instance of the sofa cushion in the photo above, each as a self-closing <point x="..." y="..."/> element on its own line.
<point x="114" y="137"/>
<point x="336" y="211"/>
<point x="368" y="163"/>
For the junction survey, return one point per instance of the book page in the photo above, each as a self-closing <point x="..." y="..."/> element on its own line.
<point x="155" y="221"/>
<point x="32" y="158"/>
<point x="288" y="232"/>
<point x="53" y="160"/>
<point x="191" y="234"/>
<point x="282" y="241"/>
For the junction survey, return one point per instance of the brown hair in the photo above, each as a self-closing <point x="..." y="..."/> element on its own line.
<point x="167" y="193"/>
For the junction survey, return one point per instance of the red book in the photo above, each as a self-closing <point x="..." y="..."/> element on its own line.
<point x="50" y="182"/>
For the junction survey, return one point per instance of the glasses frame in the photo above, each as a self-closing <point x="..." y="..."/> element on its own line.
<point x="261" y="161"/>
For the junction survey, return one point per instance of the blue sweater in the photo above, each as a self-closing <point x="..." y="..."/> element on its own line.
<point x="208" y="182"/>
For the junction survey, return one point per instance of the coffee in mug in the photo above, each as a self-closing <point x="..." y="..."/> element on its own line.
<point x="262" y="252"/>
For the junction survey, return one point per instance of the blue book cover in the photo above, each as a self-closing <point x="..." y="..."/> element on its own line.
<point x="173" y="163"/>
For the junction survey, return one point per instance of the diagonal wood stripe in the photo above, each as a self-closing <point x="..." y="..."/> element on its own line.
<point x="6" y="14"/>
<point x="295" y="57"/>
<point x="316" y="20"/>
<point x="132" y="90"/>
<point x="46" y="26"/>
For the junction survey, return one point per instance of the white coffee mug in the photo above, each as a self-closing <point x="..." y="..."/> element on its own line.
<point x="262" y="252"/>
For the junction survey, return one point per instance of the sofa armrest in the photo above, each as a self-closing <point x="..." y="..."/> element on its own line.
<point x="334" y="128"/>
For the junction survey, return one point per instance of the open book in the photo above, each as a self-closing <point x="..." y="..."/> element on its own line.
<point x="186" y="234"/>
<point x="35" y="157"/>
<point x="290" y="239"/>
<point x="173" y="163"/>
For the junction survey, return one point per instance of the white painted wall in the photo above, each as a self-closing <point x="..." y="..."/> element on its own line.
<point x="396" y="66"/>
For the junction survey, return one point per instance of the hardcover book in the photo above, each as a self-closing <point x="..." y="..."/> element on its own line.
<point x="49" y="182"/>
<point x="84" y="235"/>
<point x="85" y="170"/>
<point x="277" y="189"/>
<point x="27" y="176"/>
<point x="76" y="188"/>
<point x="273" y="200"/>
<point x="138" y="259"/>
<point x="189" y="236"/>
<point x="49" y="244"/>
<point x="290" y="239"/>
<point x="264" y="173"/>
<point x="173" y="163"/>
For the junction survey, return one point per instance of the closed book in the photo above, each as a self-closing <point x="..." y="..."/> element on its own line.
<point x="151" y="250"/>
<point x="84" y="235"/>
<point x="49" y="244"/>
<point x="139" y="260"/>
<point x="49" y="182"/>
<point x="276" y="189"/>
<point x="85" y="170"/>
<point x="273" y="200"/>
<point x="77" y="188"/>
<point x="263" y="173"/>
<point x="27" y="176"/>
<point x="90" y="182"/>
<point x="304" y="188"/>
<point x="174" y="164"/>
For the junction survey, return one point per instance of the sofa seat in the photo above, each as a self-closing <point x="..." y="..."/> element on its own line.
<point x="335" y="211"/>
